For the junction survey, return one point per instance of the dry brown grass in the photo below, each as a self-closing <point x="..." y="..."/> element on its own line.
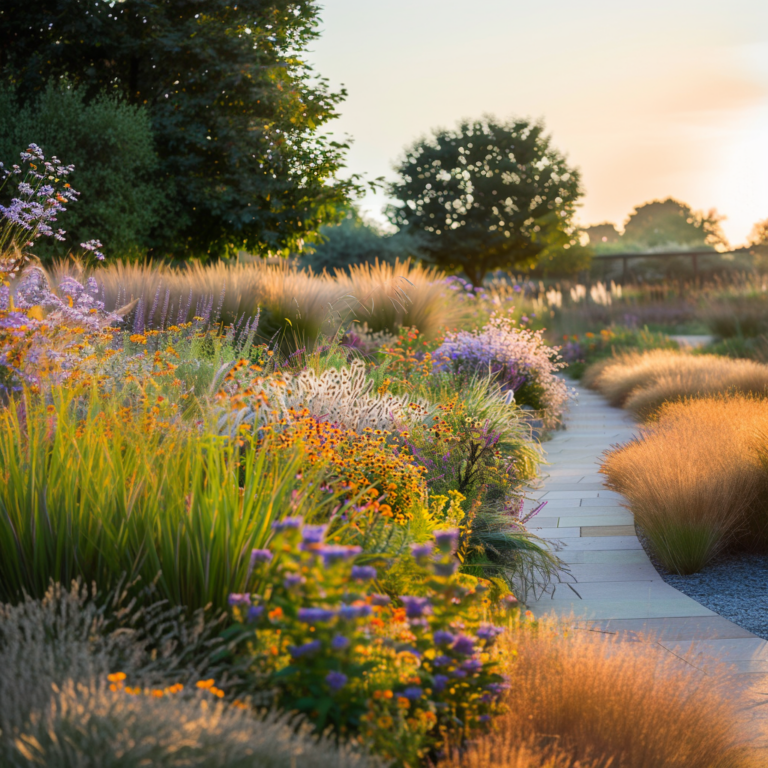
<point x="589" y="701"/>
<point x="694" y="478"/>
<point x="642" y="382"/>
<point x="384" y="296"/>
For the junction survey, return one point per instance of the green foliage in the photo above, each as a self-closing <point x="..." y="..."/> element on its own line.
<point x="486" y="196"/>
<point x="409" y="679"/>
<point x="109" y="141"/>
<point x="669" y="222"/>
<point x="113" y="491"/>
<point x="234" y="108"/>
<point x="357" y="241"/>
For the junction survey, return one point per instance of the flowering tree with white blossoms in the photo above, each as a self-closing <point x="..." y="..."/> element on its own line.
<point x="517" y="358"/>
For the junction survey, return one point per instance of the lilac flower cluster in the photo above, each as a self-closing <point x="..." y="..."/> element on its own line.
<point x="515" y="356"/>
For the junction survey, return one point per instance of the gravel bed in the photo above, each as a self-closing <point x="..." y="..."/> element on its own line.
<point x="733" y="585"/>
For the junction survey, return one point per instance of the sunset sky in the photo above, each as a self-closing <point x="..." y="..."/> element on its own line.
<point x="649" y="100"/>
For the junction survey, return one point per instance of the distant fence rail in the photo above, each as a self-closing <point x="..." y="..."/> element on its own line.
<point x="693" y="255"/>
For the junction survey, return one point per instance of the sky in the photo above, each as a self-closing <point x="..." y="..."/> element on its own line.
<point x="648" y="99"/>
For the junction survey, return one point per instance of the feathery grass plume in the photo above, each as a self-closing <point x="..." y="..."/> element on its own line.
<point x="643" y="381"/>
<point x="694" y="479"/>
<point x="85" y="724"/>
<point x="601" y="702"/>
<point x="340" y="397"/>
<point x="383" y="295"/>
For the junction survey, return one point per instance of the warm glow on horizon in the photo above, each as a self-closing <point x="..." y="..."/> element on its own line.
<point x="649" y="101"/>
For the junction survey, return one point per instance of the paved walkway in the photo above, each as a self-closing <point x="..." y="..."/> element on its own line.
<point x="615" y="587"/>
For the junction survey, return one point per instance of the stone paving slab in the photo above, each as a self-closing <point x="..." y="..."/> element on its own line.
<point x="612" y="587"/>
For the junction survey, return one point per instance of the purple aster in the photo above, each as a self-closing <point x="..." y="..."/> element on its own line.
<point x="315" y="615"/>
<point x="297" y="651"/>
<point x="447" y="539"/>
<point x="255" y="612"/>
<point x="441" y="637"/>
<point x="350" y="612"/>
<point x="363" y="572"/>
<point x="413" y="693"/>
<point x="260" y="556"/>
<point x="239" y="599"/>
<point x="313" y="534"/>
<point x="439" y="682"/>
<point x="288" y="523"/>
<point x="420" y="551"/>
<point x="472" y="665"/>
<point x="293" y="580"/>
<point x="336" y="681"/>
<point x="339" y="643"/>
<point x="489" y="632"/>
<point x="458" y="673"/>
<point x="465" y="645"/>
<point x="332" y="553"/>
<point x="446" y="569"/>
<point x="442" y="661"/>
<point x="416" y="607"/>
<point x="381" y="599"/>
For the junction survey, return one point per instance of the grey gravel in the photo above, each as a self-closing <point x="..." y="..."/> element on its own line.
<point x="733" y="585"/>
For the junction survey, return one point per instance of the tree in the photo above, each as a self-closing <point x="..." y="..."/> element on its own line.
<point x="357" y="241"/>
<point x="488" y="195"/>
<point x="759" y="234"/>
<point x="110" y="144"/>
<point x="235" y="110"/>
<point x="601" y="234"/>
<point x="670" y="223"/>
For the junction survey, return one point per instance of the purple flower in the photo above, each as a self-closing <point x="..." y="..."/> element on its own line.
<point x="420" y="551"/>
<point x="239" y="599"/>
<point x="472" y="665"/>
<point x="350" y="612"/>
<point x="441" y="637"/>
<point x="497" y="688"/>
<point x="484" y="718"/>
<point x="339" y="643"/>
<point x="446" y="569"/>
<point x="416" y="607"/>
<point x="332" y="553"/>
<point x="255" y="612"/>
<point x="442" y="661"/>
<point x="447" y="539"/>
<point x="458" y="673"/>
<point x="293" y="580"/>
<point x="336" y="681"/>
<point x="315" y="615"/>
<point x="413" y="693"/>
<point x="363" y="572"/>
<point x="489" y="632"/>
<point x="288" y="523"/>
<point x="465" y="645"/>
<point x="381" y="599"/>
<point x="439" y="682"/>
<point x="260" y="556"/>
<point x="297" y="651"/>
<point x="313" y="534"/>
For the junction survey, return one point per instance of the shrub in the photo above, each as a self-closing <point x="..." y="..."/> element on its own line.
<point x="111" y="145"/>
<point x="93" y="489"/>
<point x="644" y="381"/>
<point x="739" y="317"/>
<point x="517" y="358"/>
<point x="407" y="678"/>
<point x="589" y="700"/>
<point x="694" y="481"/>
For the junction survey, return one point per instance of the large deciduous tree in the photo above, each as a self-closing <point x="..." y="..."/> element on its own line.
<point x="235" y="109"/>
<point x="488" y="195"/>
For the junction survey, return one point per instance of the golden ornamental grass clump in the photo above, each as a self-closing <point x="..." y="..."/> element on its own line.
<point x="591" y="701"/>
<point x="643" y="382"/>
<point x="695" y="480"/>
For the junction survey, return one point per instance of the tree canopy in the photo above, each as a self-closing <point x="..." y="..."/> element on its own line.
<point x="664" y="223"/>
<point x="234" y="108"/>
<point x="487" y="195"/>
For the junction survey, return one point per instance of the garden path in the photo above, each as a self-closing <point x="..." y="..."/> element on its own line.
<point x="614" y="586"/>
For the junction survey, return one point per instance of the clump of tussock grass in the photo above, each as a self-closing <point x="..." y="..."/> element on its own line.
<point x="694" y="479"/>
<point x="642" y="382"/>
<point x="385" y="296"/>
<point x="590" y="701"/>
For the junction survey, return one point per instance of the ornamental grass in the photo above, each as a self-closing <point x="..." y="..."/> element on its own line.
<point x="694" y="479"/>
<point x="590" y="701"/>
<point x="642" y="382"/>
<point x="384" y="296"/>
